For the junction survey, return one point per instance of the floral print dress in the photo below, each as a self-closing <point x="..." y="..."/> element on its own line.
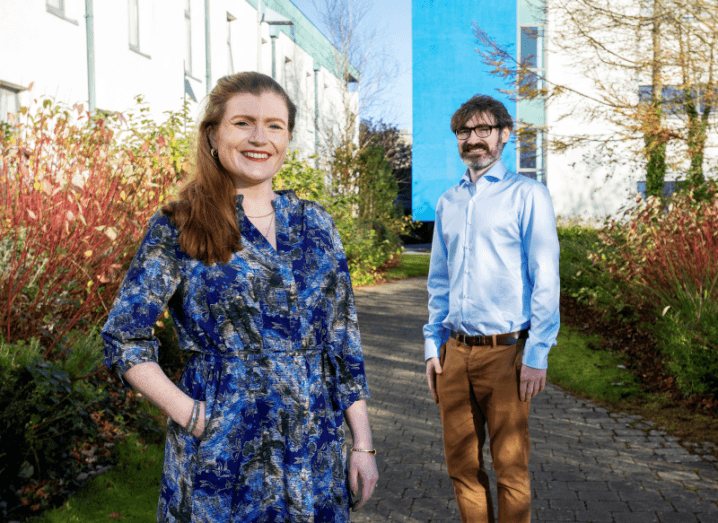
<point x="276" y="356"/>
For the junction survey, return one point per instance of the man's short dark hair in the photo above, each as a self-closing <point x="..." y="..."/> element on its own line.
<point x="481" y="104"/>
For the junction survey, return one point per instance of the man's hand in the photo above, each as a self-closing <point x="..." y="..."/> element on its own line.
<point x="532" y="382"/>
<point x="433" y="367"/>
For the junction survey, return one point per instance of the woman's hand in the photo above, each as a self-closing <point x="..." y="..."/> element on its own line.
<point x="362" y="465"/>
<point x="363" y="475"/>
<point x="150" y="381"/>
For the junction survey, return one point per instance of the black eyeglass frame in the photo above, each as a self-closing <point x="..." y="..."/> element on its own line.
<point x="476" y="130"/>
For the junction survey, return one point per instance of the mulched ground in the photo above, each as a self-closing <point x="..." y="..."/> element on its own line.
<point x="644" y="359"/>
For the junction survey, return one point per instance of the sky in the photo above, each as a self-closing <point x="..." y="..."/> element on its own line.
<point x="392" y="20"/>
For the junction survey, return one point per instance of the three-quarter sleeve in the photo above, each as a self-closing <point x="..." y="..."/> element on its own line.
<point x="345" y="350"/>
<point x="150" y="282"/>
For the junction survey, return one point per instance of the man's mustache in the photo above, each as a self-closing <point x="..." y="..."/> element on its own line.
<point x="467" y="148"/>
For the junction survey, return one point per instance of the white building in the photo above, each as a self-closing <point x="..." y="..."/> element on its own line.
<point x="588" y="180"/>
<point x="167" y="51"/>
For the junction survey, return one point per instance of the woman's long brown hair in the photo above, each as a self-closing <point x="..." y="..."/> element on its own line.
<point x="205" y="209"/>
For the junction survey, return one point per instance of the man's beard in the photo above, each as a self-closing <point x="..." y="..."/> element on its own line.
<point x="476" y="164"/>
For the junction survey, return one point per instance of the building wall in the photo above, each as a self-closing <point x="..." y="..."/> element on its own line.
<point x="50" y="52"/>
<point x="583" y="181"/>
<point x="447" y="71"/>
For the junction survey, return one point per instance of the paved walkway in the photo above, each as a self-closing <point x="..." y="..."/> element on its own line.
<point x="587" y="464"/>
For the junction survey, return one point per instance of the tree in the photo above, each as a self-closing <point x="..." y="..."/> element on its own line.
<point x="388" y="137"/>
<point x="667" y="45"/>
<point x="363" y="68"/>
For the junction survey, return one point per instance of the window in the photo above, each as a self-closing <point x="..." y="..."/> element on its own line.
<point x="530" y="155"/>
<point x="188" y="37"/>
<point x="56" y="7"/>
<point x="9" y="101"/>
<point x="673" y="99"/>
<point x="134" y="24"/>
<point x="230" y="64"/>
<point x="531" y="56"/>
<point x="530" y="150"/>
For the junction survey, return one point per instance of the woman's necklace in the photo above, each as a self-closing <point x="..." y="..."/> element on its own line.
<point x="269" y="227"/>
<point x="262" y="216"/>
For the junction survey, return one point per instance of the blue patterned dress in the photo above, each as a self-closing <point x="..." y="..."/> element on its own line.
<point x="276" y="356"/>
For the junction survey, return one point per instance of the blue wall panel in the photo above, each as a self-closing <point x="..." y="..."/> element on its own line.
<point x="447" y="71"/>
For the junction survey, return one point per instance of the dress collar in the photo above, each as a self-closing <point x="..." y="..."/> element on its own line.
<point x="285" y="198"/>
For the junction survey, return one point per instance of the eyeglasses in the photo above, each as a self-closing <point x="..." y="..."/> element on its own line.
<point x="482" y="131"/>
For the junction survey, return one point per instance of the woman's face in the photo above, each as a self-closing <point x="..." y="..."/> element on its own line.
<point x="252" y="137"/>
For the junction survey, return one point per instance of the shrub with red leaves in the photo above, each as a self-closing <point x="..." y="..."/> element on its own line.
<point x="666" y="262"/>
<point x="75" y="198"/>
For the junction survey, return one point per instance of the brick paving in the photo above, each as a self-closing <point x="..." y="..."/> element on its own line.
<point x="587" y="464"/>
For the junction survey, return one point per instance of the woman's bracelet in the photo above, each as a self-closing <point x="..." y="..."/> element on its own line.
<point x="372" y="451"/>
<point x="194" y="419"/>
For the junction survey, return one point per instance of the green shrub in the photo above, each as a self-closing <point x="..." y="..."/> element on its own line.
<point x="687" y="330"/>
<point x="45" y="410"/>
<point x="664" y="261"/>
<point x="365" y="220"/>
<point x="583" y="279"/>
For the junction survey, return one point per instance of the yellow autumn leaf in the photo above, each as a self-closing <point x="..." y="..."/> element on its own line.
<point x="111" y="233"/>
<point x="37" y="186"/>
<point x="88" y="253"/>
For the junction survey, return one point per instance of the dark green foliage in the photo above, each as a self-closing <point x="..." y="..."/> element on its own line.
<point x="687" y="330"/>
<point x="44" y="415"/>
<point x="581" y="278"/>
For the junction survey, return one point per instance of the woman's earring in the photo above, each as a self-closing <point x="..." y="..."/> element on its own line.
<point x="213" y="152"/>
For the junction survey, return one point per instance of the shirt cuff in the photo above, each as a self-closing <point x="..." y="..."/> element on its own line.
<point x="431" y="348"/>
<point x="535" y="355"/>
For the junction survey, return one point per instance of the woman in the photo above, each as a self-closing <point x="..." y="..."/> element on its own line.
<point x="258" y="286"/>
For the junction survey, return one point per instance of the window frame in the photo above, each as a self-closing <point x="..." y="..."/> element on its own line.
<point x="230" y="56"/>
<point x="15" y="91"/>
<point x="538" y="172"/>
<point x="672" y="103"/>
<point x="188" y="38"/>
<point x="136" y="3"/>
<point x="59" y="11"/>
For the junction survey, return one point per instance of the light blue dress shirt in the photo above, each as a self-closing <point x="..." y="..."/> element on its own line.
<point x="494" y="263"/>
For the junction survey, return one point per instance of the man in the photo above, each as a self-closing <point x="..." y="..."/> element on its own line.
<point x="493" y="314"/>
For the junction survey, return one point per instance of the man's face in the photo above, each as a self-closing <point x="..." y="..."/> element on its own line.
<point x="480" y="153"/>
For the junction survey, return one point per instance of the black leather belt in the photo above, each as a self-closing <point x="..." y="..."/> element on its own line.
<point x="491" y="340"/>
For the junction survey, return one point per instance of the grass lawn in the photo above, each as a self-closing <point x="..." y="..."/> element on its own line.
<point x="412" y="266"/>
<point x="129" y="492"/>
<point x="595" y="374"/>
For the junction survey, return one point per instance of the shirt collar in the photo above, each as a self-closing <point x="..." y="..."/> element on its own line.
<point x="497" y="171"/>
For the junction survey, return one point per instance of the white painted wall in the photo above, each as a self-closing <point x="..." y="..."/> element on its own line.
<point x="582" y="183"/>
<point x="50" y="52"/>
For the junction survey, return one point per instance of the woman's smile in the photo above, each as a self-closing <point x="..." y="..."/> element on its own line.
<point x="256" y="156"/>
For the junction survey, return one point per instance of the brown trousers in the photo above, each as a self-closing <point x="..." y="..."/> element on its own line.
<point x="479" y="386"/>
